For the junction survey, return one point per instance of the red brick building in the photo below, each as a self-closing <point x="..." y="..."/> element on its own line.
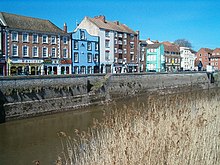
<point x="172" y="57"/>
<point x="203" y="55"/>
<point x="215" y="59"/>
<point x="34" y="46"/>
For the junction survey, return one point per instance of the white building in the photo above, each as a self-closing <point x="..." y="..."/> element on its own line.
<point x="188" y="57"/>
<point x="118" y="44"/>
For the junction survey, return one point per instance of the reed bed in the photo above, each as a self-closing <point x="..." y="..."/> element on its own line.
<point x="175" y="129"/>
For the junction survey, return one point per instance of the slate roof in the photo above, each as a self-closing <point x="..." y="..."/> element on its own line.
<point x="28" y="23"/>
<point x="101" y="23"/>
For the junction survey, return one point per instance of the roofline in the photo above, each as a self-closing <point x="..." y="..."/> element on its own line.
<point x="110" y="29"/>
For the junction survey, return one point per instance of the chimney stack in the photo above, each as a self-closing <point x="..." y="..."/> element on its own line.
<point x="101" y="17"/>
<point x="65" y="27"/>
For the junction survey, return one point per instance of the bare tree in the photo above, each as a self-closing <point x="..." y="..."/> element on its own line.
<point x="183" y="42"/>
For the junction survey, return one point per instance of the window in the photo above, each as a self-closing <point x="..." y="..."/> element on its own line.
<point x="83" y="70"/>
<point x="142" y="56"/>
<point x="76" y="57"/>
<point x="44" y="39"/>
<point x="132" y="46"/>
<point x="65" y="40"/>
<point x="14" y="36"/>
<point x="132" y="57"/>
<point x="151" y="58"/>
<point x="82" y="35"/>
<point x="64" y="53"/>
<point x="107" y="34"/>
<point x="96" y="46"/>
<point x="35" y="51"/>
<point x="107" y="45"/>
<point x="125" y="51"/>
<point x="125" y="42"/>
<point x="14" y="50"/>
<point x="53" y="40"/>
<point x="107" y="57"/>
<point x="25" y="37"/>
<point x="25" y="51"/>
<point x="53" y="52"/>
<point x="96" y="58"/>
<point x="89" y="70"/>
<point x="125" y="35"/>
<point x="116" y="34"/>
<point x="35" y="38"/>
<point x="132" y="37"/>
<point x="116" y="50"/>
<point x="116" y="41"/>
<point x="76" y="44"/>
<point x="89" y="57"/>
<point x="89" y="46"/>
<point x="76" y="69"/>
<point x="45" y="52"/>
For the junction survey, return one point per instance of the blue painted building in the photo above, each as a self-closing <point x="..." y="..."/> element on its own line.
<point x="155" y="61"/>
<point x="85" y="53"/>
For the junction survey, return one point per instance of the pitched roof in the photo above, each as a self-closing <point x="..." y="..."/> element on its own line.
<point x="153" y="46"/>
<point x="207" y="50"/>
<point x="170" y="47"/>
<point x="101" y="23"/>
<point x="28" y="23"/>
<point x="217" y="50"/>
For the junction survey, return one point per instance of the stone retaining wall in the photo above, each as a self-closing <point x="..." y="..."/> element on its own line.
<point x="26" y="96"/>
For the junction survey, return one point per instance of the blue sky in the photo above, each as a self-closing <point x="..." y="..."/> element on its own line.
<point x="198" y="21"/>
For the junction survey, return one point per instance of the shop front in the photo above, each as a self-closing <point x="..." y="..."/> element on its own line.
<point x="24" y="67"/>
<point x="56" y="66"/>
<point x="2" y="67"/>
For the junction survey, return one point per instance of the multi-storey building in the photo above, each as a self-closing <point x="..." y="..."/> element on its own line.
<point x="203" y="55"/>
<point x="188" y="57"/>
<point x="35" y="46"/>
<point x="118" y="44"/>
<point x="142" y="54"/>
<point x="85" y="52"/>
<point x="155" y="61"/>
<point x="172" y="57"/>
<point x="215" y="59"/>
<point x="2" y="58"/>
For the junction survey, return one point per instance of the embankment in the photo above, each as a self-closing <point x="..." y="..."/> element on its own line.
<point x="22" y="97"/>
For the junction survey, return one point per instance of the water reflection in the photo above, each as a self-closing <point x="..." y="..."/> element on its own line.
<point x="23" y="141"/>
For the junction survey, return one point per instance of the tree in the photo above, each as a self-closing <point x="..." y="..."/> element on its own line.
<point x="183" y="43"/>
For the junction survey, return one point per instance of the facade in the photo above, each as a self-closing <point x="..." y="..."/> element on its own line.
<point x="118" y="44"/>
<point x="155" y="61"/>
<point x="85" y="53"/>
<point x="34" y="46"/>
<point x="188" y="57"/>
<point x="203" y="55"/>
<point x="172" y="57"/>
<point x="2" y="51"/>
<point x="142" y="58"/>
<point x="215" y="59"/>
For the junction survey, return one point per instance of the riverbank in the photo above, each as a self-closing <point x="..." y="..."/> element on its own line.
<point x="23" y="97"/>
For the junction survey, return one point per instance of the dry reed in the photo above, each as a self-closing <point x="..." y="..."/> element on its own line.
<point x="175" y="129"/>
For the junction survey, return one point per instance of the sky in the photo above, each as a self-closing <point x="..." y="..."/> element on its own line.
<point x="197" y="21"/>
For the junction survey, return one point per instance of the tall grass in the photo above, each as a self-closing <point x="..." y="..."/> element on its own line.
<point x="176" y="129"/>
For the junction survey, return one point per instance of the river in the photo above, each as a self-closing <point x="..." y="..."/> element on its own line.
<point x="23" y="141"/>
